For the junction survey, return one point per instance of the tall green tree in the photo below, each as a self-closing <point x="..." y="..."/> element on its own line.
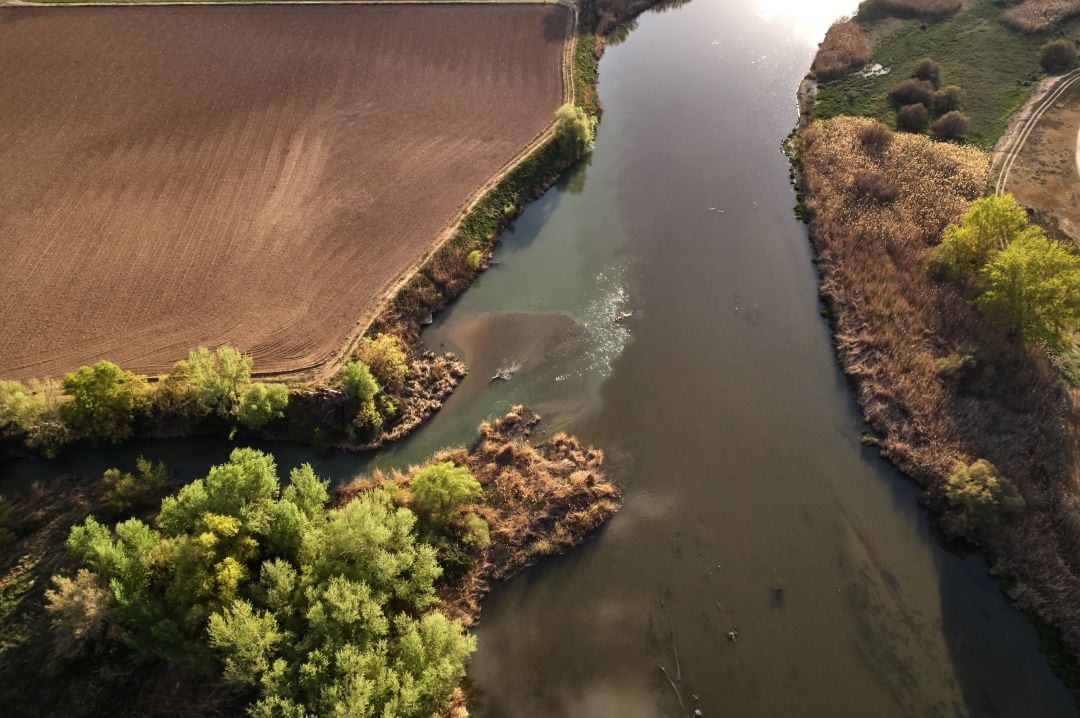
<point x="441" y="490"/>
<point x="102" y="400"/>
<point x="984" y="230"/>
<point x="574" y="130"/>
<point x="218" y="378"/>
<point x="260" y="403"/>
<point x="1033" y="291"/>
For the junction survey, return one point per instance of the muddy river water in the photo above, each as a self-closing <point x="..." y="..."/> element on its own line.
<point x="750" y="506"/>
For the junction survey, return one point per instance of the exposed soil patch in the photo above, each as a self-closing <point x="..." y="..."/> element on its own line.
<point x="258" y="176"/>
<point x="1044" y="175"/>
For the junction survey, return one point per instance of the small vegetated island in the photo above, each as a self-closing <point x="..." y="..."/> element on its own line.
<point x="955" y="312"/>
<point x="291" y="191"/>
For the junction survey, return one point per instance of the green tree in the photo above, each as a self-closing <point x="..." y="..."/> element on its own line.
<point x="1033" y="291"/>
<point x="979" y="499"/>
<point x="218" y="379"/>
<point x="574" y="130"/>
<point x="359" y="381"/>
<point x="316" y="611"/>
<point x="985" y="229"/>
<point x="102" y="400"/>
<point x="35" y="409"/>
<point x="261" y="403"/>
<point x="385" y="356"/>
<point x="125" y="491"/>
<point x="441" y="490"/>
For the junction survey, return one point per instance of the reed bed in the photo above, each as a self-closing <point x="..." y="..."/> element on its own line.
<point x="878" y="201"/>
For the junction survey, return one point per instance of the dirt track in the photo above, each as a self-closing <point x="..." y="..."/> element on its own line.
<point x="176" y="176"/>
<point x="1037" y="159"/>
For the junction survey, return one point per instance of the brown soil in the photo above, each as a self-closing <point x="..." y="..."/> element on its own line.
<point x="1044" y="175"/>
<point x="258" y="176"/>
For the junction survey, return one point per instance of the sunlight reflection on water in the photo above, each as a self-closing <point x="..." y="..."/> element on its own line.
<point x="810" y="18"/>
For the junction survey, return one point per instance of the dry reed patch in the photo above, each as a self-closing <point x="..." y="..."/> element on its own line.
<point x="538" y="501"/>
<point x="893" y="321"/>
<point x="845" y="48"/>
<point x="1040" y="15"/>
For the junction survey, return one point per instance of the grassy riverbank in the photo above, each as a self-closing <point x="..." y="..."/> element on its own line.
<point x="996" y="67"/>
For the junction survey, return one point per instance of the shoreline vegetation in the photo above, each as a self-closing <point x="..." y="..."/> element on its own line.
<point x="949" y="335"/>
<point x="322" y="413"/>
<point x="236" y="591"/>
<point x="240" y="594"/>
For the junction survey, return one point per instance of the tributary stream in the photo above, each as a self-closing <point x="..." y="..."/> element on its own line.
<point x="661" y="303"/>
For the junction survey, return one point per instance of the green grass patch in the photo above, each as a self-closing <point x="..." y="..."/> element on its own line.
<point x="997" y="68"/>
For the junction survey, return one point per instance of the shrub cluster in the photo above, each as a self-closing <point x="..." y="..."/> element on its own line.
<point x="921" y="98"/>
<point x="103" y="401"/>
<point x="308" y="609"/>
<point x="1058" y="56"/>
<point x="979" y="500"/>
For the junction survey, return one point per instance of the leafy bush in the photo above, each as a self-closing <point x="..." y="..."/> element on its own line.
<point x="218" y="379"/>
<point x="359" y="381"/>
<point x="442" y="490"/>
<point x="912" y="118"/>
<point x="368" y="418"/>
<point x="1058" y="56"/>
<point x="574" y="130"/>
<point x="102" y="400"/>
<point x="947" y="99"/>
<point x="261" y="403"/>
<point x="385" y="356"/>
<point x="35" y="409"/>
<point x="979" y="500"/>
<point x="125" y="491"/>
<point x="475" y="260"/>
<point x="950" y="126"/>
<point x="314" y="611"/>
<point x="928" y="71"/>
<point x="912" y="92"/>
<point x="876" y="137"/>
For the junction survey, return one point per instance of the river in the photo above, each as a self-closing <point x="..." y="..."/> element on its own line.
<point x="750" y="505"/>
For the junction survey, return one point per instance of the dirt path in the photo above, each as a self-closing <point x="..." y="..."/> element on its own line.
<point x="1037" y="159"/>
<point x="1024" y="123"/>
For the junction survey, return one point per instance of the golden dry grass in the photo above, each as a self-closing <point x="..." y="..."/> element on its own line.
<point x="845" y="48"/>
<point x="1040" y="15"/>
<point x="538" y="501"/>
<point x="893" y="321"/>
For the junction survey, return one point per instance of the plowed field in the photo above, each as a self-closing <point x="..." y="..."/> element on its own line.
<point x="254" y="175"/>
